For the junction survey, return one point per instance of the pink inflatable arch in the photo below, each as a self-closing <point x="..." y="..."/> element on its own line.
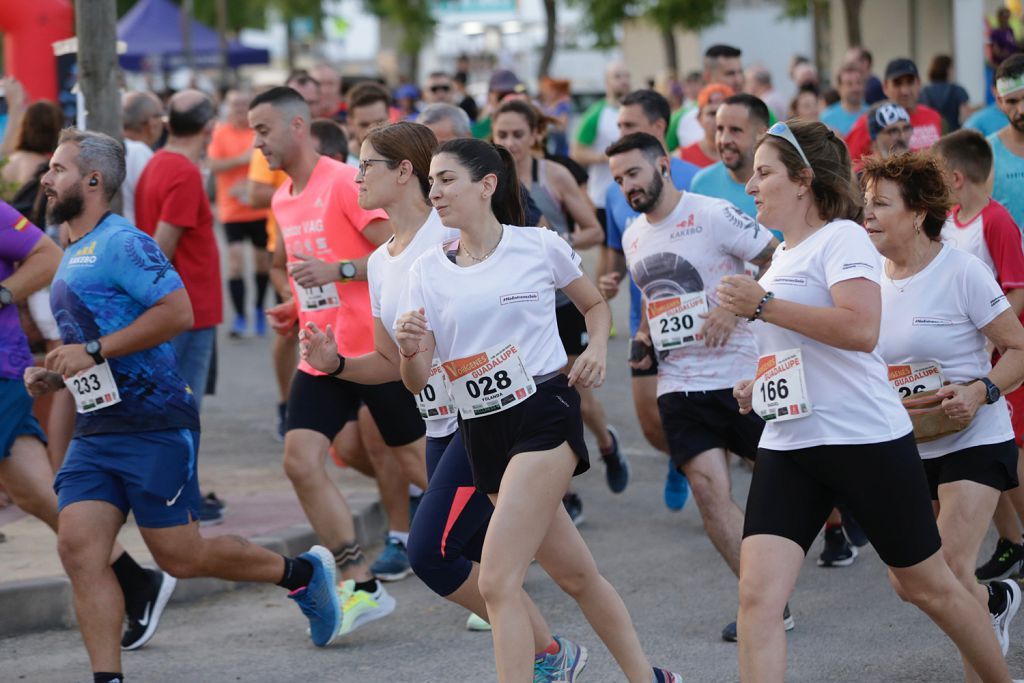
<point x="30" y="28"/>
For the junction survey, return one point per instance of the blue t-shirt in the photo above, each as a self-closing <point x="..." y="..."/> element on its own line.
<point x="840" y="120"/>
<point x="715" y="181"/>
<point x="987" y="121"/>
<point x="1009" y="179"/>
<point x="619" y="214"/>
<point x="105" y="281"/>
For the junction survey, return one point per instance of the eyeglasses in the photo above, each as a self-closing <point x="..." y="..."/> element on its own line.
<point x="781" y="130"/>
<point x="440" y="88"/>
<point x="365" y="164"/>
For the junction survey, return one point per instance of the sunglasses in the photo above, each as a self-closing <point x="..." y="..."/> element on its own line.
<point x="781" y="130"/>
<point x="440" y="88"/>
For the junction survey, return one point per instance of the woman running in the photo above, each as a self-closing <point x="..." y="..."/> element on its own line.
<point x="448" y="529"/>
<point x="940" y="308"/>
<point x="562" y="203"/>
<point x="835" y="428"/>
<point x="484" y="306"/>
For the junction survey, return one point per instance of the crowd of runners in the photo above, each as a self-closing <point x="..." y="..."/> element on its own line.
<point x="837" y="301"/>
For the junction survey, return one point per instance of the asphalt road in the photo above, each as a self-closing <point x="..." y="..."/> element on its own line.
<point x="850" y="624"/>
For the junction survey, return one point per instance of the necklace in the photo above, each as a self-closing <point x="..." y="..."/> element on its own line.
<point x="911" y="279"/>
<point x="490" y="251"/>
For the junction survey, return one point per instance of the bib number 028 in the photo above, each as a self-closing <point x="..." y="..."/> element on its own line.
<point x="488" y="386"/>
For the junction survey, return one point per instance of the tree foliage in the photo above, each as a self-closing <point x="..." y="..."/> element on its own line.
<point x="413" y="17"/>
<point x="603" y="17"/>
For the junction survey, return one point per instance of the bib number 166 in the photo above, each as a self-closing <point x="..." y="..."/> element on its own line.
<point x="774" y="389"/>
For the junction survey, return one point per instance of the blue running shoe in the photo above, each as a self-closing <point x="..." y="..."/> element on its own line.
<point x="393" y="563"/>
<point x="615" y="463"/>
<point x="238" y="328"/>
<point x="563" y="666"/>
<point x="259" y="322"/>
<point x="319" y="600"/>
<point x="677" y="488"/>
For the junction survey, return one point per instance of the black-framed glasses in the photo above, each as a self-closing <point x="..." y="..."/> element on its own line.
<point x="366" y="163"/>
<point x="781" y="130"/>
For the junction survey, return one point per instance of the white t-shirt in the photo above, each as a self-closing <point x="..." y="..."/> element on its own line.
<point x="849" y="392"/>
<point x="137" y="155"/>
<point x="510" y="297"/>
<point x="388" y="276"/>
<point x="599" y="176"/>
<point x="937" y="317"/>
<point x="702" y="240"/>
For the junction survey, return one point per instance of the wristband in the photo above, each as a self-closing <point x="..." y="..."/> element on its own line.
<point x="341" y="366"/>
<point x="409" y="356"/>
<point x="768" y="296"/>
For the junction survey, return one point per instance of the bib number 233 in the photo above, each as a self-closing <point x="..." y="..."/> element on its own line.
<point x="93" y="389"/>
<point x="780" y="389"/>
<point x="489" y="382"/>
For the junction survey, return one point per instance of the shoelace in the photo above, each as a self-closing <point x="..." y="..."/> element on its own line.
<point x="544" y="670"/>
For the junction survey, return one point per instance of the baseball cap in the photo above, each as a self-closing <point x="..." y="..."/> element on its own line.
<point x="884" y="115"/>
<point x="504" y="80"/>
<point x="901" y="66"/>
<point x="407" y="90"/>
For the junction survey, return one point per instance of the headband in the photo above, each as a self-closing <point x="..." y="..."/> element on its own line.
<point x="1008" y="85"/>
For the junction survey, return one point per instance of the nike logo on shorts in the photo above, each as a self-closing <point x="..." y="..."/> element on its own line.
<point x="174" y="500"/>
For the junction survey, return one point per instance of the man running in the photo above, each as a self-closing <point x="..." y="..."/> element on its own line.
<point x="677" y="252"/>
<point x="119" y="302"/>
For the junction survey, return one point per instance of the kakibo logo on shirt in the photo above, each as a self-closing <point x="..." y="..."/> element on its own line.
<point x="84" y="256"/>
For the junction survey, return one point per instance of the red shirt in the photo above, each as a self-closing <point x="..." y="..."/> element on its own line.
<point x="696" y="156"/>
<point x="927" y="125"/>
<point x="170" y="189"/>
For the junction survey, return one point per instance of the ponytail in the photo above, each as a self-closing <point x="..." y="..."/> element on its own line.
<point x="482" y="158"/>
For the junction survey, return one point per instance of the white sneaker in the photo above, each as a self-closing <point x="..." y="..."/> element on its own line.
<point x="475" y="623"/>
<point x="359" y="608"/>
<point x="1001" y="621"/>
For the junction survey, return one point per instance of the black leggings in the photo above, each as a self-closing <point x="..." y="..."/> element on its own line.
<point x="450" y="524"/>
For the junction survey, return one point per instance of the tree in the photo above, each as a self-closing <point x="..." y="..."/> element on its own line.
<point x="416" y="22"/>
<point x="550" y="38"/>
<point x="97" y="65"/>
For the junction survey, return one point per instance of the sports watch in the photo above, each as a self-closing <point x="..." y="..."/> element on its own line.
<point x="93" y="348"/>
<point x="347" y="270"/>
<point x="6" y="296"/>
<point x="992" y="392"/>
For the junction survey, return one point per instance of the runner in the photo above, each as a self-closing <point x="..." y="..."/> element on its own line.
<point x="676" y="252"/>
<point x="1008" y="143"/>
<point x="841" y="116"/>
<point x="497" y="338"/>
<point x="723" y="64"/>
<point x="562" y="202"/>
<point x="451" y="521"/>
<point x="839" y="430"/>
<point x="704" y="152"/>
<point x="327" y="240"/>
<point x="647" y="112"/>
<point x="970" y="458"/>
<point x="119" y="303"/>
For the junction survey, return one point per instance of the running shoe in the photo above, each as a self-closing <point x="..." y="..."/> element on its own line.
<point x="677" y="488"/>
<point x="729" y="632"/>
<point x="854" y="533"/>
<point x="259" y="322"/>
<point x="1006" y="562"/>
<point x="563" y="666"/>
<point x="393" y="563"/>
<point x="616" y="467"/>
<point x="319" y="600"/>
<point x="211" y="510"/>
<point x="574" y="506"/>
<point x="359" y="607"/>
<point x="238" y="327"/>
<point x="144" y="611"/>
<point x="837" y="551"/>
<point x="666" y="676"/>
<point x="1001" y="621"/>
<point x="475" y="623"/>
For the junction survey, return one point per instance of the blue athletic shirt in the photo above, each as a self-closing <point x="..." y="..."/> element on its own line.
<point x="619" y="214"/>
<point x="106" y="280"/>
<point x="1008" y="178"/>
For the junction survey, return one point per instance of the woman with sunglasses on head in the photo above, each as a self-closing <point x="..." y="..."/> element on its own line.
<point x="836" y="431"/>
<point x="448" y="530"/>
<point x="940" y="308"/>
<point x="484" y="305"/>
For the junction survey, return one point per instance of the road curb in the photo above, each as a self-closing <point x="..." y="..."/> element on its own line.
<point x="45" y="603"/>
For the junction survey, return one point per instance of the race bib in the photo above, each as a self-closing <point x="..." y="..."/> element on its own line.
<point x="318" y="298"/>
<point x="489" y="382"/>
<point x="435" y="401"/>
<point x="913" y="378"/>
<point x="780" y="389"/>
<point x="94" y="388"/>
<point x="675" y="320"/>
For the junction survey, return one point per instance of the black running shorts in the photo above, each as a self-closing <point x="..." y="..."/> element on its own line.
<point x="994" y="465"/>
<point x="698" y="421"/>
<point x="883" y="485"/>
<point x="254" y="231"/>
<point x="542" y="422"/>
<point x="324" y="404"/>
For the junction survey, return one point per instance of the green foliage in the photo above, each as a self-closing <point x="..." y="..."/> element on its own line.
<point x="602" y="17"/>
<point x="413" y="17"/>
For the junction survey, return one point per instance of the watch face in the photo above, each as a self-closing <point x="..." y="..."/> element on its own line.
<point x="6" y="297"/>
<point x="348" y="270"/>
<point x="92" y="347"/>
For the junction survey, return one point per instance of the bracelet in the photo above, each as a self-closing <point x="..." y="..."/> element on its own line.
<point x="341" y="366"/>
<point x="409" y="356"/>
<point x="768" y="296"/>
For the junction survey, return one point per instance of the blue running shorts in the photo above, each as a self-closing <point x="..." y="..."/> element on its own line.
<point x="16" y="417"/>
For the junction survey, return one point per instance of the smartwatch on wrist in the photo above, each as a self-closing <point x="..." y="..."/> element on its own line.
<point x="347" y="271"/>
<point x="94" y="348"/>
<point x="6" y="296"/>
<point x="992" y="392"/>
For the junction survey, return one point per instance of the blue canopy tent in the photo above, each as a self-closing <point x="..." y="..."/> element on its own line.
<point x="152" y="31"/>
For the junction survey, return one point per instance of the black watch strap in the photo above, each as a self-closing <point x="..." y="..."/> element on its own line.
<point x="992" y="392"/>
<point x="95" y="349"/>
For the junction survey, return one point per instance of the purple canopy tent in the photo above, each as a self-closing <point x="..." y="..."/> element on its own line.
<point x="152" y="31"/>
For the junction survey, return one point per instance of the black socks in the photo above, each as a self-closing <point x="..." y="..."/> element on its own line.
<point x="107" y="677"/>
<point x="297" y="573"/>
<point x="998" y="595"/>
<point x="236" y="287"/>
<point x="368" y="586"/>
<point x="133" y="579"/>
